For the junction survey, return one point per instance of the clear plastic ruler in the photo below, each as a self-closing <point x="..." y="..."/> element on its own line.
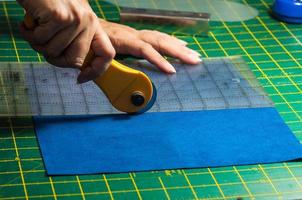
<point x="40" y="89"/>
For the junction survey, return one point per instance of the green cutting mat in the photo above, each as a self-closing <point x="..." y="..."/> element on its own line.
<point x="272" y="49"/>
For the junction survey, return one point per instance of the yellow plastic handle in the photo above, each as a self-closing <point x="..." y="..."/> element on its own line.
<point x="127" y="89"/>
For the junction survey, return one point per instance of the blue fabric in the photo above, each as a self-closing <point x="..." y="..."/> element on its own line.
<point x="155" y="141"/>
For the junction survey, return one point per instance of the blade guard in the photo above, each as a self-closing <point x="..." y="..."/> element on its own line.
<point x="128" y="90"/>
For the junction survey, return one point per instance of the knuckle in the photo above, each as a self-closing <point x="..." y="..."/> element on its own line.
<point x="91" y="17"/>
<point x="127" y="28"/>
<point x="145" y="48"/>
<point x="146" y="31"/>
<point x="116" y="42"/>
<point x="61" y="16"/>
<point x="93" y="20"/>
<point x="77" y="18"/>
<point x="109" y="53"/>
<point x="142" y="33"/>
<point x="155" y="32"/>
<point x="165" y="35"/>
<point x="57" y="16"/>
<point x="68" y="19"/>
<point x="160" y="41"/>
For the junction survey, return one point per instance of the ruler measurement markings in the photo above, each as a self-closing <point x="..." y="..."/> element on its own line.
<point x="85" y="99"/>
<point x="195" y="88"/>
<point x="45" y="82"/>
<point x="175" y="92"/>
<point x="192" y="88"/>
<point x="256" y="87"/>
<point x="226" y="87"/>
<point x="217" y="86"/>
<point x="10" y="75"/>
<point x="240" y="86"/>
<point x="160" y="82"/>
<point x="59" y="90"/>
<point x="39" y="110"/>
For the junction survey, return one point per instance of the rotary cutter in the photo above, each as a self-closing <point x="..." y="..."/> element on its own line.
<point x="127" y="89"/>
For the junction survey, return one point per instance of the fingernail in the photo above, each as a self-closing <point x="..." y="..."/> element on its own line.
<point x="170" y="68"/>
<point x="195" y="59"/>
<point x="173" y="71"/>
<point x="198" y="60"/>
<point x="195" y="52"/>
<point x="182" y="42"/>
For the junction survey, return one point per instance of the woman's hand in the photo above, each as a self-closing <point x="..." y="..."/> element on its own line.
<point x="150" y="45"/>
<point x="65" y="31"/>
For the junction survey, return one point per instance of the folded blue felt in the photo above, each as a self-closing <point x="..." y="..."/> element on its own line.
<point x="154" y="141"/>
